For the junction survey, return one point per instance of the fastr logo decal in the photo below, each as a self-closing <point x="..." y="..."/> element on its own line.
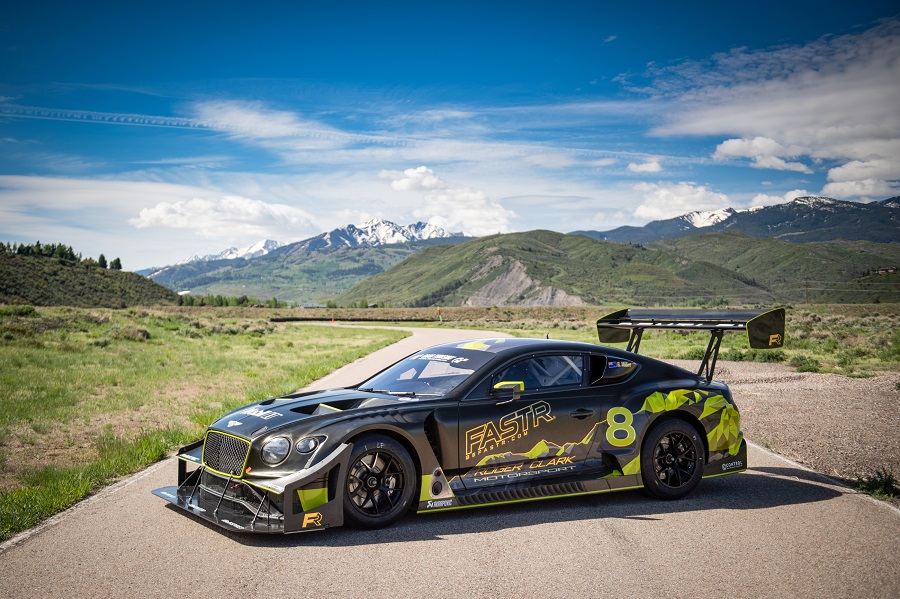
<point x="775" y="340"/>
<point x="489" y="436"/>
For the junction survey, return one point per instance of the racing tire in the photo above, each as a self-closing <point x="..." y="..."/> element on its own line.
<point x="379" y="484"/>
<point x="672" y="460"/>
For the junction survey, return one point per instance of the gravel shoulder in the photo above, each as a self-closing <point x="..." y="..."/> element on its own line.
<point x="840" y="426"/>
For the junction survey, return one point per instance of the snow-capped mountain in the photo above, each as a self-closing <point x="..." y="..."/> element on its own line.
<point x="805" y="219"/>
<point x="700" y="220"/>
<point x="260" y="248"/>
<point x="371" y="233"/>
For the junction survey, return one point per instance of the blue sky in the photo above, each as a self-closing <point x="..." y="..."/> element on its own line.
<point x="157" y="132"/>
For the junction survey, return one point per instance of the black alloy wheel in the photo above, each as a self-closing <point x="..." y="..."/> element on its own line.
<point x="380" y="482"/>
<point x="672" y="460"/>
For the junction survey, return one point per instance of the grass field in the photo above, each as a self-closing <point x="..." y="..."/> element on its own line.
<point x="87" y="396"/>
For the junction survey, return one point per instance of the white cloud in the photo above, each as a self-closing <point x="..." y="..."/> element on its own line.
<point x="647" y="167"/>
<point x="764" y="152"/>
<point x="864" y="189"/>
<point x="834" y="99"/>
<point x="550" y="160"/>
<point x="603" y="162"/>
<point x="231" y="215"/>
<point x="762" y="199"/>
<point x="858" y="170"/>
<point x="668" y="200"/>
<point x="449" y="205"/>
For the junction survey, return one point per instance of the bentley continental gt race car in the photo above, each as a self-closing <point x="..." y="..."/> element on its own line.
<point x="476" y="423"/>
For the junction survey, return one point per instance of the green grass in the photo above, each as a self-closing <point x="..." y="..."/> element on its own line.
<point x="880" y="485"/>
<point x="87" y="396"/>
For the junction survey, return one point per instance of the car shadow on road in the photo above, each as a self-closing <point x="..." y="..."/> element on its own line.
<point x="759" y="488"/>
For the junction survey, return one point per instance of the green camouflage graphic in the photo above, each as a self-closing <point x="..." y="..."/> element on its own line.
<point x="724" y="436"/>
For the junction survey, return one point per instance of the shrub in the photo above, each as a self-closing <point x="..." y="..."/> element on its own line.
<point x="882" y="484"/>
<point x="805" y="364"/>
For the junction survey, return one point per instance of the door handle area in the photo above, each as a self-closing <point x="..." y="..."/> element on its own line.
<point x="581" y="413"/>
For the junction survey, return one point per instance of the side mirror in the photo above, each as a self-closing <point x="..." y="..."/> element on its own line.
<point x="515" y="386"/>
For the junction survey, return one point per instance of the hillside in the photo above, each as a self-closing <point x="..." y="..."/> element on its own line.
<point x="830" y="272"/>
<point x="290" y="273"/>
<point x="44" y="281"/>
<point x="547" y="268"/>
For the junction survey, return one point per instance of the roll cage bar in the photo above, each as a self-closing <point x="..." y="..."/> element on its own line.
<point x="764" y="328"/>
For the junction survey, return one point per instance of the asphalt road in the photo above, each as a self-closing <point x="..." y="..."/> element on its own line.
<point x="778" y="530"/>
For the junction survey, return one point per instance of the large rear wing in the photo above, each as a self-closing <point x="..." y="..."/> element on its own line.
<point x="764" y="328"/>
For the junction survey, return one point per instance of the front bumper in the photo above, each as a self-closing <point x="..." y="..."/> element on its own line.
<point x="310" y="499"/>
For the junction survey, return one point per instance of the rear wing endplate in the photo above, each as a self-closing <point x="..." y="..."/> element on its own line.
<point x="764" y="328"/>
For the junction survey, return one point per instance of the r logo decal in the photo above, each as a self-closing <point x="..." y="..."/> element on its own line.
<point x="775" y="340"/>
<point x="312" y="519"/>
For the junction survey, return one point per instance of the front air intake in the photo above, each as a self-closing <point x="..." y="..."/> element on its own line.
<point x="225" y="454"/>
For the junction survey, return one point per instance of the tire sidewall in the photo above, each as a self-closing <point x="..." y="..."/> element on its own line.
<point x="381" y="443"/>
<point x="652" y="485"/>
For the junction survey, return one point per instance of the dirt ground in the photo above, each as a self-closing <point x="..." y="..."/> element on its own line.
<point x="840" y="426"/>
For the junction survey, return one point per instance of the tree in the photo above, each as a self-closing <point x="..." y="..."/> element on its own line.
<point x="116" y="264"/>
<point x="101" y="261"/>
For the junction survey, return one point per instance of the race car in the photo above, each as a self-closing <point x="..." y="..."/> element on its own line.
<point x="481" y="422"/>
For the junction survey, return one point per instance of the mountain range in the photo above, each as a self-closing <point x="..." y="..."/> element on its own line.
<point x="803" y="220"/>
<point x="736" y="256"/>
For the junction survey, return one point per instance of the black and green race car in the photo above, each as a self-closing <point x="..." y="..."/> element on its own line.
<point x="481" y="422"/>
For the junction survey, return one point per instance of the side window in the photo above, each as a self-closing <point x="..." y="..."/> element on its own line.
<point x="544" y="371"/>
<point x="606" y="371"/>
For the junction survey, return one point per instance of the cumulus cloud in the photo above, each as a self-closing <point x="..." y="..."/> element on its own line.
<point x="226" y="217"/>
<point x="646" y="167"/>
<point x="762" y="199"/>
<point x="865" y="189"/>
<point x="763" y="152"/>
<point x="668" y="200"/>
<point x="451" y="206"/>
<point x="832" y="100"/>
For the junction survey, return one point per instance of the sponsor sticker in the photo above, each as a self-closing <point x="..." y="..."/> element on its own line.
<point x="515" y="425"/>
<point x="261" y="414"/>
<point x="439" y="503"/>
<point x="732" y="465"/>
<point x="234" y="423"/>
<point x="230" y="523"/>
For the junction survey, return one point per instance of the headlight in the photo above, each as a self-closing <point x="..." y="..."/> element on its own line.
<point x="307" y="444"/>
<point x="275" y="450"/>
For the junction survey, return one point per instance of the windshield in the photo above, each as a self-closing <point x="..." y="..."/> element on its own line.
<point x="427" y="373"/>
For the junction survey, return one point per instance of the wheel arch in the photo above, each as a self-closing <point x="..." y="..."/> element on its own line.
<point x="684" y="416"/>
<point x="400" y="438"/>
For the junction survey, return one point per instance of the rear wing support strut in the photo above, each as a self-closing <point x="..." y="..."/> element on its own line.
<point x="764" y="329"/>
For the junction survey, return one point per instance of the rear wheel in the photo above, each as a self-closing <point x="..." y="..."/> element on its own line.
<point x="672" y="460"/>
<point x="380" y="482"/>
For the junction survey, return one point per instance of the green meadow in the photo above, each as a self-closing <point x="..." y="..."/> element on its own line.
<point x="88" y="396"/>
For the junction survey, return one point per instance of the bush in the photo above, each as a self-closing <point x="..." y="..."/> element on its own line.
<point x="882" y="484"/>
<point x="130" y="333"/>
<point x="17" y="310"/>
<point x="805" y="364"/>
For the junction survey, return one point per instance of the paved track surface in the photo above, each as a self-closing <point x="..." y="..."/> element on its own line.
<point x="778" y="530"/>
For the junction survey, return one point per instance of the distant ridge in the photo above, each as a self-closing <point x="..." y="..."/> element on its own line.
<point x="803" y="220"/>
<point x="371" y="233"/>
<point x="260" y="248"/>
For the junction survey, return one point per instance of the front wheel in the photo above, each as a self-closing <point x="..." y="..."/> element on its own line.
<point x="380" y="482"/>
<point x="672" y="460"/>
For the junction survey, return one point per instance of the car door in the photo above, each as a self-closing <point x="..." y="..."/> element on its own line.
<point x="539" y="427"/>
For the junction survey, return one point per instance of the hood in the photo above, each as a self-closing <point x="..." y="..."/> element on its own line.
<point x="257" y="419"/>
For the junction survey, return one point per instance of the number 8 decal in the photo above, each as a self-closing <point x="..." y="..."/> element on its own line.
<point x="620" y="419"/>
